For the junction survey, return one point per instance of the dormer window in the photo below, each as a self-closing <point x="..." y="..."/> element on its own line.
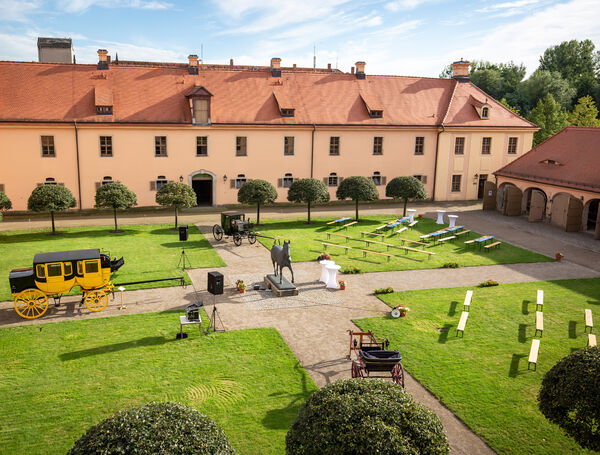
<point x="284" y="103"/>
<point x="199" y="100"/>
<point x="485" y="112"/>
<point x="376" y="114"/>
<point x="103" y="100"/>
<point x="104" y="110"/>
<point x="554" y="162"/>
<point x="482" y="107"/>
<point x="287" y="112"/>
<point x="373" y="105"/>
<point x="201" y="113"/>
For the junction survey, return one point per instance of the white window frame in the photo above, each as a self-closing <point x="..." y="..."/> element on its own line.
<point x="293" y="146"/>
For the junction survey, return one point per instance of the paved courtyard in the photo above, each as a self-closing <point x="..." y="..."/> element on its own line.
<point x="315" y="323"/>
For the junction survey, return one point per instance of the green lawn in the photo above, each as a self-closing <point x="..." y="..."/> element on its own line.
<point x="306" y="245"/>
<point x="483" y="377"/>
<point x="150" y="252"/>
<point x="58" y="379"/>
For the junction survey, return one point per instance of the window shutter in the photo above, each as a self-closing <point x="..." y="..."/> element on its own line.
<point x="279" y="183"/>
<point x="383" y="180"/>
<point x="61" y="184"/>
<point x="232" y="183"/>
<point x="98" y="185"/>
<point x="152" y="185"/>
<point x="325" y="180"/>
<point x="424" y="179"/>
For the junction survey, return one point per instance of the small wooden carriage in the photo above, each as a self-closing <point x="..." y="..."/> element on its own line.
<point x="55" y="274"/>
<point x="234" y="224"/>
<point x="373" y="359"/>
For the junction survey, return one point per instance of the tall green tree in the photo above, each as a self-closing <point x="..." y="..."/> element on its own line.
<point x="405" y="188"/>
<point x="543" y="82"/>
<point x="115" y="196"/>
<point x="506" y="104"/>
<point x="176" y="195"/>
<point x="50" y="198"/>
<point x="308" y="191"/>
<point x="550" y="116"/>
<point x="5" y="204"/>
<point x="585" y="113"/>
<point x="358" y="189"/>
<point x="257" y="192"/>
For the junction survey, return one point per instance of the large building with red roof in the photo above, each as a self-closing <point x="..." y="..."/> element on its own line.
<point x="216" y="126"/>
<point x="557" y="181"/>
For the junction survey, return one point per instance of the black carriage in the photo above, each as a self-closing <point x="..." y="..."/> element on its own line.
<point x="373" y="359"/>
<point x="235" y="224"/>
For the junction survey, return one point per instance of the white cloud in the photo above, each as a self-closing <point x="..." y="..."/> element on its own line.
<point x="374" y="21"/>
<point x="129" y="51"/>
<point x="398" y="5"/>
<point x="507" y="5"/>
<point x="18" y="47"/>
<point x="78" y="6"/>
<point x="17" y="10"/>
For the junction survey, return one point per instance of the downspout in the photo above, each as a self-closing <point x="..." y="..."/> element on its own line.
<point x="78" y="169"/>
<point x="312" y="150"/>
<point x="435" y="165"/>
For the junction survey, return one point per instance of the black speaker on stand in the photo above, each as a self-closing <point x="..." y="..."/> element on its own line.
<point x="215" y="287"/>
<point x="183" y="237"/>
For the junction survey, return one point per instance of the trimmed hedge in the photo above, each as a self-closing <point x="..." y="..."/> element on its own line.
<point x="365" y="416"/>
<point x="154" y="428"/>
<point x="570" y="396"/>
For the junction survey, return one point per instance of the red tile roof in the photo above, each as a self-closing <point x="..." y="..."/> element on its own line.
<point x="156" y="94"/>
<point x="576" y="154"/>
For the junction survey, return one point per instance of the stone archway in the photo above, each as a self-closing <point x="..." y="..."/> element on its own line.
<point x="509" y="199"/>
<point x="204" y="184"/>
<point x="534" y="204"/>
<point x="591" y="217"/>
<point x="567" y="212"/>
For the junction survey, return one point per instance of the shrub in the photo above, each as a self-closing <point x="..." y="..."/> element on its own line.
<point x="387" y="290"/>
<point x="351" y="270"/>
<point x="488" y="283"/>
<point x="154" y="428"/>
<point x="451" y="265"/>
<point x="357" y="416"/>
<point x="570" y="396"/>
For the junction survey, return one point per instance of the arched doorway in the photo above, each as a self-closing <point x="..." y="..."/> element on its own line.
<point x="509" y="198"/>
<point x="534" y="204"/>
<point x="567" y="212"/>
<point x="590" y="213"/>
<point x="203" y="184"/>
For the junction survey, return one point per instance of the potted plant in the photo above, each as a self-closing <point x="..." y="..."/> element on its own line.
<point x="241" y="286"/>
<point x="559" y="256"/>
<point x="400" y="311"/>
<point x="342" y="284"/>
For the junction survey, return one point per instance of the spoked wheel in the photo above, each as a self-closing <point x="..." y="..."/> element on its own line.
<point x="395" y="313"/>
<point x="398" y="375"/>
<point x="96" y="300"/>
<point x="31" y="303"/>
<point x="252" y="238"/>
<point x="217" y="232"/>
<point x="237" y="239"/>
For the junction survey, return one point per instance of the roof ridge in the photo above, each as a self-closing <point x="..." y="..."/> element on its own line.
<point x="450" y="102"/>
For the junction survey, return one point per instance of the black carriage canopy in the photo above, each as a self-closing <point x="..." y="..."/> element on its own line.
<point x="381" y="355"/>
<point x="66" y="256"/>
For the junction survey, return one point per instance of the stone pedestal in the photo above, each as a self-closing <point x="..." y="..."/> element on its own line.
<point x="283" y="289"/>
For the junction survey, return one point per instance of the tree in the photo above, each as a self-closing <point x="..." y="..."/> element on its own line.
<point x="257" y="192"/>
<point x="550" y="116"/>
<point x="570" y="396"/>
<point x="405" y="188"/>
<point x="585" y="113"/>
<point x="514" y="109"/>
<point x="308" y="191"/>
<point x="358" y="189"/>
<point x="364" y="417"/>
<point x="154" y="428"/>
<point x="488" y="80"/>
<point x="5" y="203"/>
<point x="115" y="196"/>
<point x="542" y="82"/>
<point x="50" y="198"/>
<point x="176" y="195"/>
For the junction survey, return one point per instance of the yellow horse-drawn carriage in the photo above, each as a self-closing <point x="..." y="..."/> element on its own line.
<point x="54" y="274"/>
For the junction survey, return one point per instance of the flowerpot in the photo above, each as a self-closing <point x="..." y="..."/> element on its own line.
<point x="242" y="291"/>
<point x="403" y="314"/>
<point x="558" y="257"/>
<point x="343" y="288"/>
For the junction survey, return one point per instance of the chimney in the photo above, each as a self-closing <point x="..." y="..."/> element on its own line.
<point x="360" y="70"/>
<point x="230" y="62"/>
<point x="103" y="59"/>
<point x="460" y="70"/>
<point x="275" y="67"/>
<point x="294" y="67"/>
<point x="329" y="66"/>
<point x="193" y="64"/>
<point x="352" y="70"/>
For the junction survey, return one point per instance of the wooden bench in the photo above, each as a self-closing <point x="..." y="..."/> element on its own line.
<point x="591" y="339"/>
<point x="540" y="300"/>
<point x="462" y="323"/>
<point x="491" y="245"/>
<point x="376" y="252"/>
<point x="412" y="241"/>
<point x="588" y="320"/>
<point x="345" y="226"/>
<point x="408" y="248"/>
<point x="368" y="241"/>
<point x="533" y="353"/>
<point x="401" y="230"/>
<point x="381" y="227"/>
<point x="452" y="237"/>
<point x="469" y="242"/>
<point x="462" y="232"/>
<point x="347" y="237"/>
<point x="539" y="323"/>
<point x="362" y="234"/>
<point x="325" y="245"/>
<point x="410" y="225"/>
<point x="467" y="303"/>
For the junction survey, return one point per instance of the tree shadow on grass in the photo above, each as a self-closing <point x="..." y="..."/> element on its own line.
<point x="197" y="245"/>
<point x="513" y="371"/>
<point x="523" y="333"/>
<point x="444" y="331"/>
<point x="524" y="306"/>
<point x="30" y="237"/>
<point x="573" y="329"/>
<point x="452" y="309"/>
<point x="109" y="348"/>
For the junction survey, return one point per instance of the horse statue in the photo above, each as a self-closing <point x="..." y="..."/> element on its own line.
<point x="280" y="256"/>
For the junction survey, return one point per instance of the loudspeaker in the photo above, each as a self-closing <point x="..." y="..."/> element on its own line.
<point x="183" y="233"/>
<point x="215" y="283"/>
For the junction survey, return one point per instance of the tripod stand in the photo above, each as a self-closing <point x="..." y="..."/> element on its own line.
<point x="183" y="260"/>
<point x="213" y="318"/>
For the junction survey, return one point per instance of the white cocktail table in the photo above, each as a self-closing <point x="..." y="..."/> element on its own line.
<point x="411" y="215"/>
<point x="324" y="273"/>
<point x="440" y="218"/>
<point x="452" y="221"/>
<point x="332" y="276"/>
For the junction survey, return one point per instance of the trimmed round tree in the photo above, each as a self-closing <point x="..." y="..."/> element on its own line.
<point x="257" y="192"/>
<point x="405" y="188"/>
<point x="50" y="198"/>
<point x="358" y="189"/>
<point x="115" y="196"/>
<point x="308" y="191"/>
<point x="570" y="396"/>
<point x="358" y="416"/>
<point x="5" y="204"/>
<point x="176" y="195"/>
<point x="152" y="429"/>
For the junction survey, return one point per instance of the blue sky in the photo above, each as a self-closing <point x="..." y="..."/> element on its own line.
<point x="406" y="37"/>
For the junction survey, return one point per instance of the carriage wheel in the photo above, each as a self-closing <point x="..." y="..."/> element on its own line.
<point x="395" y="313"/>
<point x="355" y="373"/>
<point x="252" y="238"/>
<point x="217" y="232"/>
<point x="398" y="375"/>
<point x="237" y="239"/>
<point x="96" y="300"/>
<point x="31" y="303"/>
